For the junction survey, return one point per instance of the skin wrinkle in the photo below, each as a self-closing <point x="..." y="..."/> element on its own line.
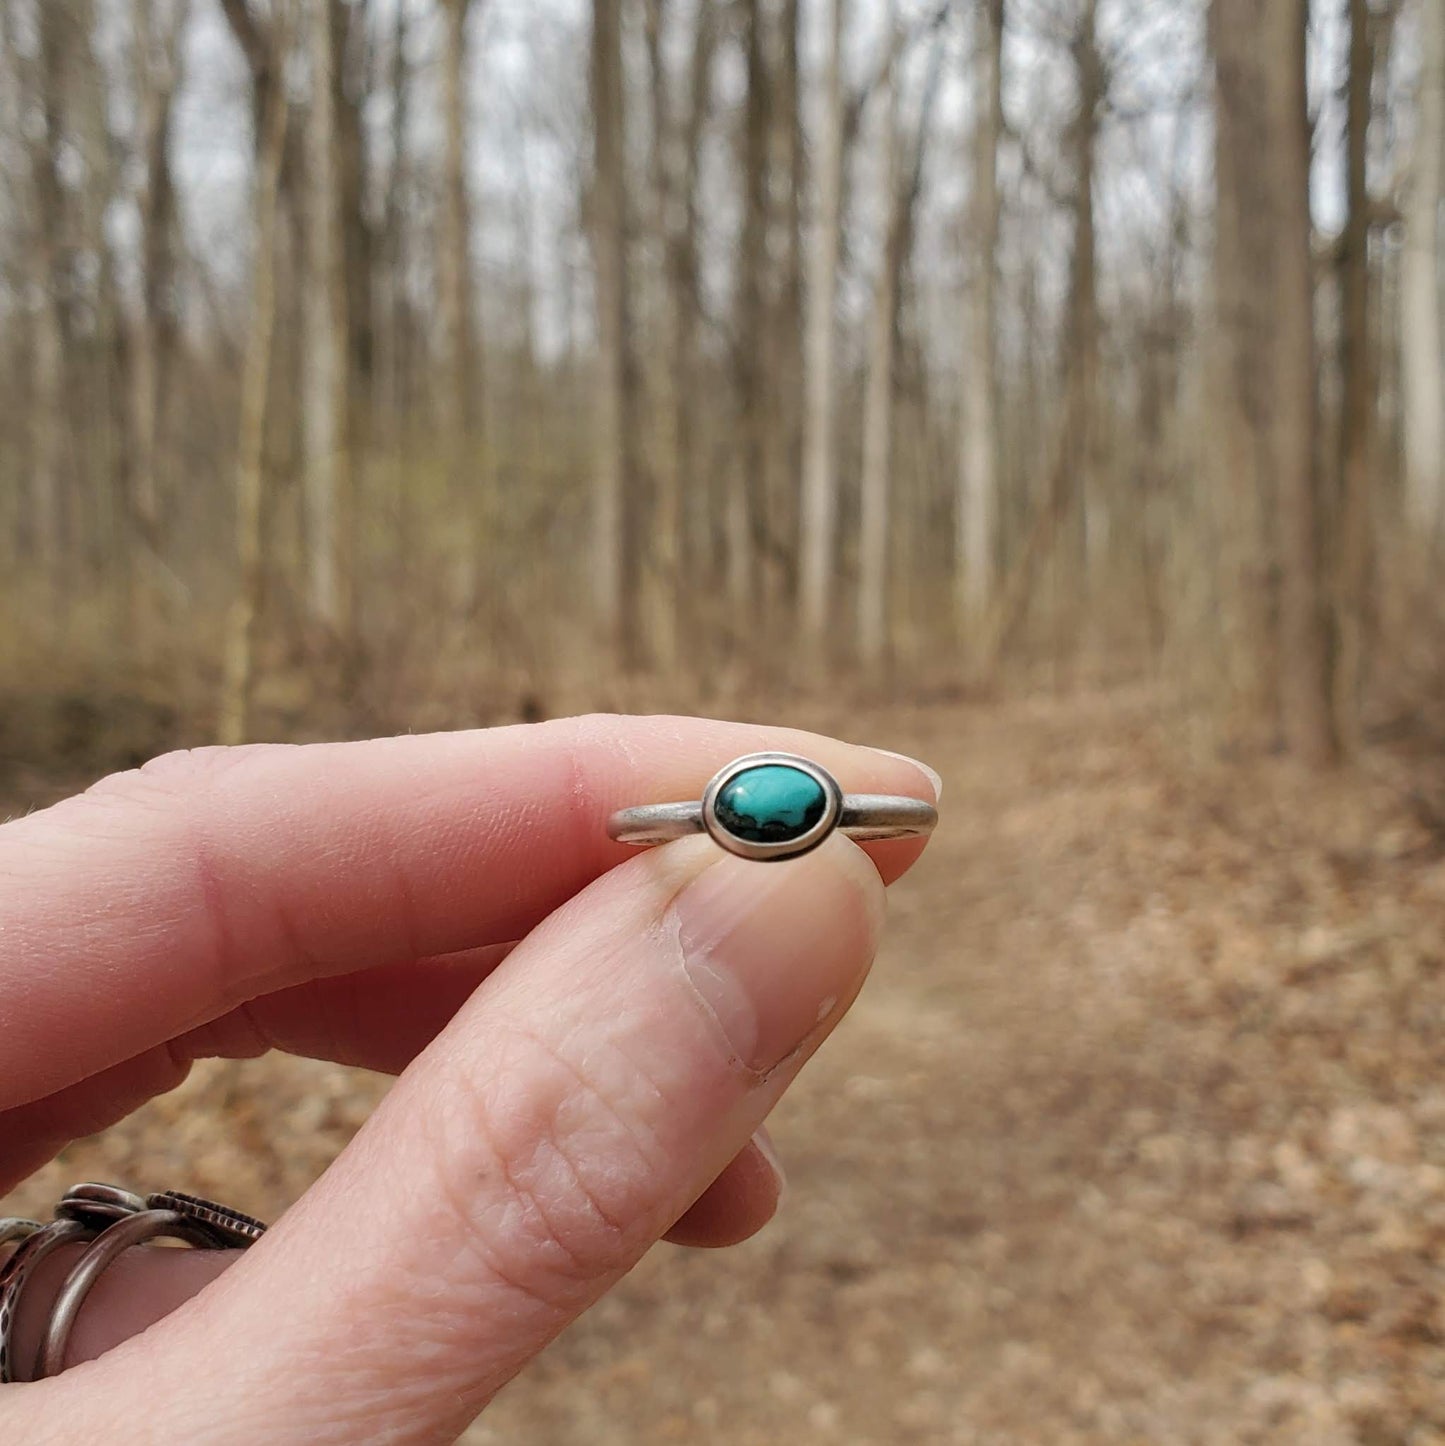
<point x="186" y="839"/>
<point x="406" y="911"/>
<point x="181" y="1063"/>
<point x="477" y="834"/>
<point x="24" y="947"/>
<point x="470" y="835"/>
<point x="581" y="812"/>
<point x="347" y="1393"/>
<point x="212" y="895"/>
<point x="470" y="1250"/>
<point x="474" y="1245"/>
<point x="553" y="1086"/>
<point x="345" y="997"/>
<point x="638" y="1063"/>
<point x="199" y="772"/>
<point x="250" y="1020"/>
<point x="208" y="762"/>
<point x="590" y="1092"/>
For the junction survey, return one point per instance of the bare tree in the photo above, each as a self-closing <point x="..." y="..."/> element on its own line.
<point x="664" y="593"/>
<point x="873" y="524"/>
<point x="156" y="67"/>
<point x="392" y="370"/>
<point x="1353" y="527"/>
<point x="786" y="344"/>
<point x="819" y="508"/>
<point x="1083" y="338"/>
<point x="977" y="508"/>
<point x="681" y="520"/>
<point x="357" y="80"/>
<point x="902" y="181"/>
<point x="615" y="589"/>
<point x="44" y="81"/>
<point x="753" y="562"/>
<point x="1265" y="301"/>
<point x="257" y="37"/>
<point x="1304" y="686"/>
<point x="455" y="303"/>
<point x="235" y="708"/>
<point x="1422" y="291"/>
<point x="1241" y="470"/>
<point x="325" y="392"/>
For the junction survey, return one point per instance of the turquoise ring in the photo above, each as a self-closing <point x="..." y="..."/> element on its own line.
<point x="770" y="806"/>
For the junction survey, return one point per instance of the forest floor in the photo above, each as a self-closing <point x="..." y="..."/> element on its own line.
<point x="1136" y="1136"/>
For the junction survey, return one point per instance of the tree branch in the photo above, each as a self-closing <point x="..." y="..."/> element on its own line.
<point x="252" y="35"/>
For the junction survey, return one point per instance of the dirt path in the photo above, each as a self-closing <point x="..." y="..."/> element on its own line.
<point x="1137" y="1135"/>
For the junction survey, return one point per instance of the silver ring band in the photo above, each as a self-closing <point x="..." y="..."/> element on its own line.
<point x="12" y="1230"/>
<point x="111" y="1220"/>
<point x="98" y="1205"/>
<point x="113" y="1241"/>
<point x="17" y="1270"/>
<point x="774" y="806"/>
<point x="227" y="1228"/>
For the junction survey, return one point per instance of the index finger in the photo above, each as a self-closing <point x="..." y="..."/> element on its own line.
<point x="167" y="896"/>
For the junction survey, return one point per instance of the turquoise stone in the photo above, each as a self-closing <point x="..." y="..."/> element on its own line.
<point x="772" y="803"/>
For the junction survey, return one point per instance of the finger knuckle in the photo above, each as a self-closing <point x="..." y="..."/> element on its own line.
<point x="171" y="801"/>
<point x="559" y="1182"/>
<point x="176" y="775"/>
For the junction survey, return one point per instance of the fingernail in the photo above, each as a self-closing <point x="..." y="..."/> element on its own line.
<point x="776" y="949"/>
<point x="931" y="774"/>
<point x="763" y="1142"/>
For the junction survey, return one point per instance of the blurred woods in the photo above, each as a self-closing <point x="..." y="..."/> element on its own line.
<point x="392" y="350"/>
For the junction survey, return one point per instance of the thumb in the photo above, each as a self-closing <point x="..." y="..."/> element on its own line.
<point x="587" y="1094"/>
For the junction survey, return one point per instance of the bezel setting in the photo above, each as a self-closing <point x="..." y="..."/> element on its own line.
<point x="785" y="848"/>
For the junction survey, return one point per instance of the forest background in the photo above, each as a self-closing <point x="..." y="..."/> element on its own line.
<point x="1052" y="388"/>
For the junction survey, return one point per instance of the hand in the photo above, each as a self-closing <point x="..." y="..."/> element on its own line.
<point x="567" y="1100"/>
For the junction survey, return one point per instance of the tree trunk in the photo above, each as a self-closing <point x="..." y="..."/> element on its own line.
<point x="1422" y="292"/>
<point x="615" y="589"/>
<point x="753" y="568"/>
<point x="695" y="520"/>
<point x="355" y="81"/>
<point x="455" y="305"/>
<point x="47" y="446"/>
<point x="1305" y="695"/>
<point x="874" y="495"/>
<point x="48" y="284"/>
<point x="250" y="453"/>
<point x="1090" y="521"/>
<point x="1242" y="484"/>
<point x="819" y="507"/>
<point x="787" y="343"/>
<point x="1353" y="539"/>
<point x="664" y="591"/>
<point x="155" y="81"/>
<point x="977" y="514"/>
<point x="324" y="391"/>
<point x="1264" y="294"/>
<point x="393" y="314"/>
